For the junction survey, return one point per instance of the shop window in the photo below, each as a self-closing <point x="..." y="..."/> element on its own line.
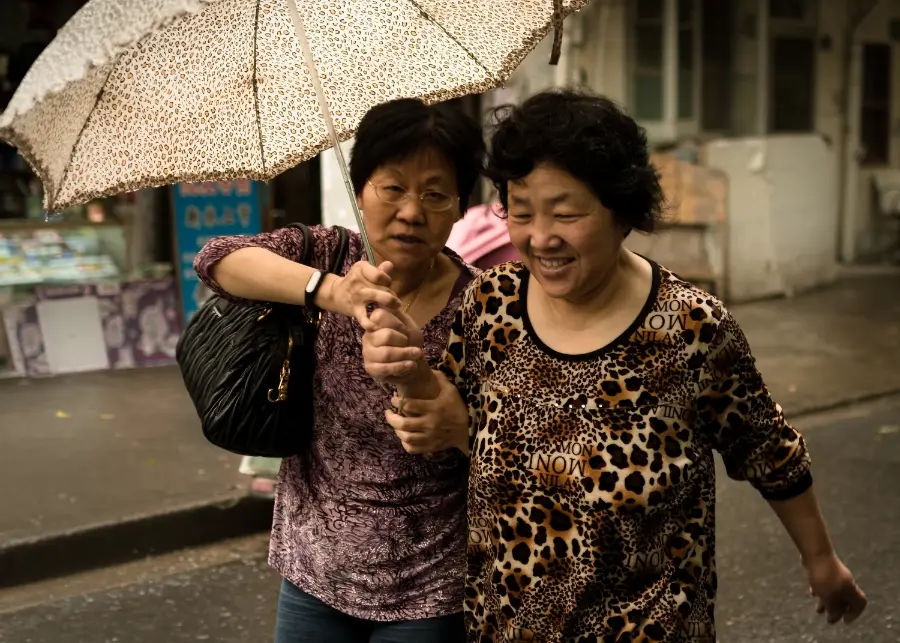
<point x="875" y="113"/>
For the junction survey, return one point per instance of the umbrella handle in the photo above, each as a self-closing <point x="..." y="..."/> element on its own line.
<point x="300" y="32"/>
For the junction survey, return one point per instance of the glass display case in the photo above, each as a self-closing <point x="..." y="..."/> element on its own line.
<point x="38" y="253"/>
<point x="36" y="256"/>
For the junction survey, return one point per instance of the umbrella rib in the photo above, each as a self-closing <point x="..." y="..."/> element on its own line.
<point x="262" y="150"/>
<point x="62" y="180"/>
<point x="428" y="16"/>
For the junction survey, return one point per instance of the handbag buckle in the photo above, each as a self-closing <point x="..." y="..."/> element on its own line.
<point x="280" y="394"/>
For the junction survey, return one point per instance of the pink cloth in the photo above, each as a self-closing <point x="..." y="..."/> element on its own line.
<point x="481" y="237"/>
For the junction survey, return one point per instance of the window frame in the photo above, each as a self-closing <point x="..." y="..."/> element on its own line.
<point x="670" y="125"/>
<point x="883" y="106"/>
<point x="636" y="69"/>
<point x="806" y="29"/>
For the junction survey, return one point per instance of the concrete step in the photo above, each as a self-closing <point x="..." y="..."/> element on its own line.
<point x="130" y="538"/>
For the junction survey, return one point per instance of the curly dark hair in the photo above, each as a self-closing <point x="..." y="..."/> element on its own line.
<point x="395" y="130"/>
<point x="589" y="137"/>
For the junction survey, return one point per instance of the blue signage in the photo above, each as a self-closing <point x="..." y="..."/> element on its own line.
<point x="203" y="211"/>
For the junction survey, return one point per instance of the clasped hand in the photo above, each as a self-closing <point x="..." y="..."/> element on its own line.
<point x="392" y="352"/>
<point x="363" y="285"/>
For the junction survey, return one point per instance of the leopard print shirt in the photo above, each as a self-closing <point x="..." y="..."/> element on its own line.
<point x="591" y="497"/>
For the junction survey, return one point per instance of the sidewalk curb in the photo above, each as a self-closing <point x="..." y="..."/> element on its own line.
<point x="102" y="545"/>
<point x="801" y="412"/>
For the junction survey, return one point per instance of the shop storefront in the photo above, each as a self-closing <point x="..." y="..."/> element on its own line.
<point x="109" y="285"/>
<point x="72" y="295"/>
<point x="77" y="291"/>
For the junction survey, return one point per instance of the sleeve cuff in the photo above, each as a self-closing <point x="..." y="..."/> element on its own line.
<point x="786" y="493"/>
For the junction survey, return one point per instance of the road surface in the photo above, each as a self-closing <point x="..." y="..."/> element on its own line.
<point x="225" y="593"/>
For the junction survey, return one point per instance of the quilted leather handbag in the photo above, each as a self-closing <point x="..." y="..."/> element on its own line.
<point x="249" y="369"/>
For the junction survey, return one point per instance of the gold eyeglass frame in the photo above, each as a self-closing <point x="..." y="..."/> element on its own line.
<point x="408" y="194"/>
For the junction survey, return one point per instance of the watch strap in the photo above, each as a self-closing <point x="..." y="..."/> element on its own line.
<point x="312" y="288"/>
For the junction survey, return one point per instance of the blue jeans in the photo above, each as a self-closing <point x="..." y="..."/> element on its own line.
<point x="305" y="619"/>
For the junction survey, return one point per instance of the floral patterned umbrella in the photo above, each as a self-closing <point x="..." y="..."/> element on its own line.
<point x="142" y="93"/>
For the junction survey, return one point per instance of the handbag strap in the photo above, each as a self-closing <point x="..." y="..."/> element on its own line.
<point x="340" y="253"/>
<point x="307" y="253"/>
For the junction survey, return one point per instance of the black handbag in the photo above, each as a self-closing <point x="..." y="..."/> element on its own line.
<point x="249" y="369"/>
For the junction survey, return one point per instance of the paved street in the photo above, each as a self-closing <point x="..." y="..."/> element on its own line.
<point x="220" y="594"/>
<point x="763" y="595"/>
<point x="828" y="347"/>
<point x="226" y="594"/>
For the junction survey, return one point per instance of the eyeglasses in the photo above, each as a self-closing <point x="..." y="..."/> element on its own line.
<point x="431" y="200"/>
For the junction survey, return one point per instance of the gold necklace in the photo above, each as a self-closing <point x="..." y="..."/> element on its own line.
<point x="419" y="289"/>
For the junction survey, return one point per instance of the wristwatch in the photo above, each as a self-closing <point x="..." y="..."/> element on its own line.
<point x="312" y="287"/>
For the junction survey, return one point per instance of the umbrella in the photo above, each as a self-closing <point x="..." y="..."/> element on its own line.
<point x="142" y="93"/>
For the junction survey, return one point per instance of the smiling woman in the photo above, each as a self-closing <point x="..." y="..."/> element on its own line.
<point x="594" y="386"/>
<point x="573" y="189"/>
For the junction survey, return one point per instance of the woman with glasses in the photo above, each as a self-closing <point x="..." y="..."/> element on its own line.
<point x="370" y="539"/>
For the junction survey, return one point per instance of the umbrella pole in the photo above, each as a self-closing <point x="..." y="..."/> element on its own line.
<point x="300" y="32"/>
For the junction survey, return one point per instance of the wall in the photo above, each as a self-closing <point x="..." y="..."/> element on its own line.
<point x="533" y="74"/>
<point x="337" y="208"/>
<point x="602" y="56"/>
<point x="782" y="214"/>
<point x="594" y="55"/>
<point x="867" y="233"/>
<point x="693" y="240"/>
<point x="830" y="96"/>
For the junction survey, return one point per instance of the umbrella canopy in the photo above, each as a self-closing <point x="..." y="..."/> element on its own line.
<point x="142" y="93"/>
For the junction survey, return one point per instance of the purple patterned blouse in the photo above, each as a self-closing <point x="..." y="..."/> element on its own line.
<point x="373" y="531"/>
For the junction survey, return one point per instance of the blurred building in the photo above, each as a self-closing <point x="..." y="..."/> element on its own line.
<point x="777" y="124"/>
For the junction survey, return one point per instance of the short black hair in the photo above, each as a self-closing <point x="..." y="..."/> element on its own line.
<point x="395" y="130"/>
<point x="589" y="137"/>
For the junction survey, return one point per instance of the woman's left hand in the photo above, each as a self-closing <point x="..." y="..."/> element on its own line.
<point x="837" y="594"/>
<point x="391" y="346"/>
<point x="431" y="426"/>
